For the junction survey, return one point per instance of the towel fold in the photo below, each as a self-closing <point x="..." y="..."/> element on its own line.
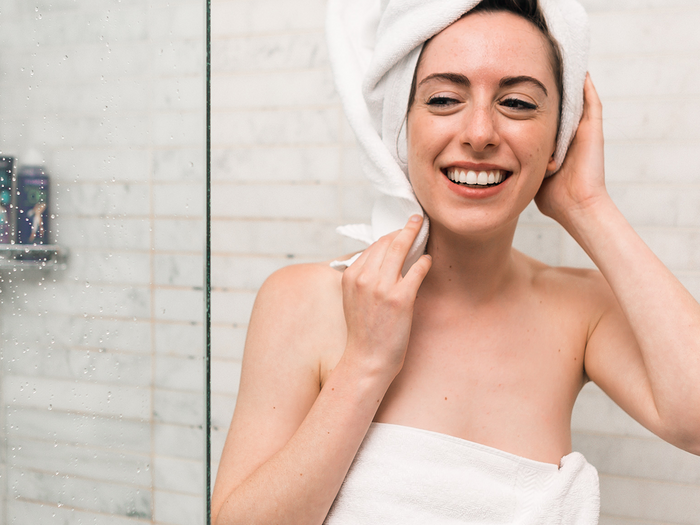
<point x="406" y="476"/>
<point x="374" y="47"/>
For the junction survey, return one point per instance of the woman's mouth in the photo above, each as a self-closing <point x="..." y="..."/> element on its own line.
<point x="476" y="179"/>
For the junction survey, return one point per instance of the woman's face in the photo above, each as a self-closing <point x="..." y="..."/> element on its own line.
<point x="485" y="110"/>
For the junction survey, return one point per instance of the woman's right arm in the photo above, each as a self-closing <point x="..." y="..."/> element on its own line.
<point x="291" y="443"/>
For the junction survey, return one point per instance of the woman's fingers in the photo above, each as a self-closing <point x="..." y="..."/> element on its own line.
<point x="400" y="245"/>
<point x="416" y="273"/>
<point x="389" y="252"/>
<point x="592" y="107"/>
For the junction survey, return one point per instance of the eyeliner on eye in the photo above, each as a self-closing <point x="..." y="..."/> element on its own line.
<point x="440" y="101"/>
<point x="516" y="103"/>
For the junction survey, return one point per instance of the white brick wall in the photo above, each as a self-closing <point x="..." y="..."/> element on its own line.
<point x="102" y="403"/>
<point x="286" y="173"/>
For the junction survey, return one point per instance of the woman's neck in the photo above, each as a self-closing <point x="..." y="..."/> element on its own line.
<point x="474" y="268"/>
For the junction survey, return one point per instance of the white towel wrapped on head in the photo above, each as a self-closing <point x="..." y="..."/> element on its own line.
<point x="407" y="476"/>
<point x="374" y="47"/>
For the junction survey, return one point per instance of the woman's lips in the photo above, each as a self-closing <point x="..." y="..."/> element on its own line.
<point x="476" y="178"/>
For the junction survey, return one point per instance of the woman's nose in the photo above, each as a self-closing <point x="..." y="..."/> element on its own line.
<point x="479" y="129"/>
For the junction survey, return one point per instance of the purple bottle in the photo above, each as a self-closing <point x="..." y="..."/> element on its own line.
<point x="6" y="175"/>
<point x="32" y="205"/>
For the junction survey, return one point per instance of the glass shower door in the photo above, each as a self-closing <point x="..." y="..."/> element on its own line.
<point x="102" y="318"/>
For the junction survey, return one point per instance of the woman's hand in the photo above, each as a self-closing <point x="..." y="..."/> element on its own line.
<point x="581" y="180"/>
<point x="378" y="301"/>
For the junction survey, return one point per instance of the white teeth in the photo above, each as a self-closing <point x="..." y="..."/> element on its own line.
<point x="471" y="177"/>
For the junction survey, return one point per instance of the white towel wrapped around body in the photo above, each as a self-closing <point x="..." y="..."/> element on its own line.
<point x="408" y="476"/>
<point x="374" y="47"/>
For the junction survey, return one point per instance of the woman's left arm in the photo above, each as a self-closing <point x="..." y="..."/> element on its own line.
<point x="645" y="349"/>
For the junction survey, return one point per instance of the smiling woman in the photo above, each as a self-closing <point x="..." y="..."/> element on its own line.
<point x="433" y="381"/>
<point x="486" y="104"/>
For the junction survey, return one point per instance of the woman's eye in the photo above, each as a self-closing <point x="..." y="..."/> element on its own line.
<point x="516" y="103"/>
<point x="441" y="101"/>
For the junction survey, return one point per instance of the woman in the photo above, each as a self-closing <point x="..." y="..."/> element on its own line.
<point x="476" y="341"/>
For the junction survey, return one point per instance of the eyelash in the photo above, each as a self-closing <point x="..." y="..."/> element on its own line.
<point x="441" y="101"/>
<point x="516" y="103"/>
<point x="512" y="103"/>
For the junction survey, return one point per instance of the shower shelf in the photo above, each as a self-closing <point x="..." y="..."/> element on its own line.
<point x="33" y="256"/>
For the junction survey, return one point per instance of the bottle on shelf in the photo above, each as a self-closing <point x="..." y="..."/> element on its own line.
<point x="32" y="201"/>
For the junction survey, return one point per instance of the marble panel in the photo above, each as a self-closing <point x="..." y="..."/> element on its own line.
<point x="179" y="270"/>
<point x="69" y="331"/>
<point x="120" y="199"/>
<point x="171" y="508"/>
<point x="227" y="342"/>
<point x="108" y="233"/>
<point x="179" y="93"/>
<point x="649" y="458"/>
<point x="646" y="75"/>
<point x="273" y="89"/>
<point x="656" y="120"/>
<point x="84" y="299"/>
<point x="179" y="441"/>
<point x="173" y="304"/>
<point x="225" y="376"/>
<point x="276" y="164"/>
<point x="249" y="17"/>
<point x="81" y="164"/>
<point x="222" y="406"/>
<point x="645" y="31"/>
<point x="81" y="365"/>
<point x="78" y="460"/>
<point x="179" y="373"/>
<point x="650" y="500"/>
<point x="179" y="475"/>
<point x="244" y="273"/>
<point x="627" y="5"/>
<point x="39" y="513"/>
<point x="541" y="242"/>
<point x="103" y="399"/>
<point x="652" y="162"/>
<point x="177" y="57"/>
<point x="108" y="266"/>
<point x="274" y="51"/>
<point x="183" y="339"/>
<point x="179" y="199"/>
<point x="275" y="127"/>
<point x="177" y="407"/>
<point x="178" y="129"/>
<point x="90" y="430"/>
<point x="179" y="165"/>
<point x="276" y="237"/>
<point x="356" y="203"/>
<point x="176" y="20"/>
<point x="184" y="235"/>
<point x="231" y="307"/>
<point x="79" y="493"/>
<point x="595" y="412"/>
<point x="275" y="202"/>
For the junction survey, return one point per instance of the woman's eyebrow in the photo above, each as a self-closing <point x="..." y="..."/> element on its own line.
<point x="455" y="78"/>
<point x="523" y="79"/>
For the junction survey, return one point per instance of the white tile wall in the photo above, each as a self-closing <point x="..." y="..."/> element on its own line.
<point x="286" y="173"/>
<point x="102" y="385"/>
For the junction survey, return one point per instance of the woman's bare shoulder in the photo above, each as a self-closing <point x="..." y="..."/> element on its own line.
<point x="302" y="285"/>
<point x="299" y="307"/>
<point x="578" y="284"/>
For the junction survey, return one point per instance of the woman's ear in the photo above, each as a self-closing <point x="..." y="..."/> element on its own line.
<point x="552" y="164"/>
